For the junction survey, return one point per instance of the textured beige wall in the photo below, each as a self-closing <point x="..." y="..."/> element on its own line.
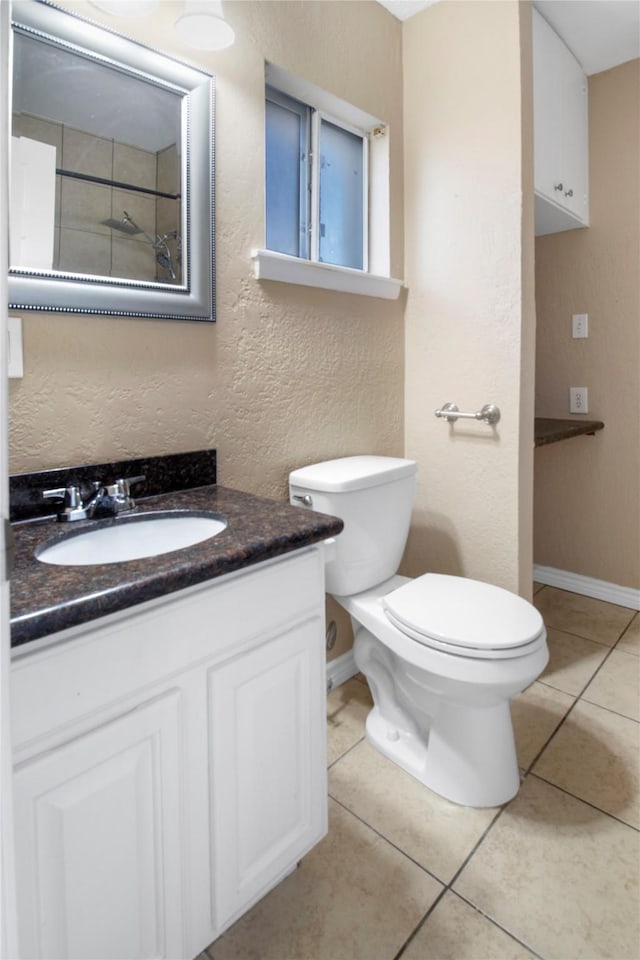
<point x="287" y="375"/>
<point x="587" y="491"/>
<point x="470" y="314"/>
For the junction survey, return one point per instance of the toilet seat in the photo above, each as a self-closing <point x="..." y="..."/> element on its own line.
<point x="465" y="618"/>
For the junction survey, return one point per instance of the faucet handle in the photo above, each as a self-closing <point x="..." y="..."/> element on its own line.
<point x="70" y="495"/>
<point x="124" y="484"/>
<point x="58" y="494"/>
<point x="129" y="481"/>
<point x="73" y="508"/>
<point x="120" y="491"/>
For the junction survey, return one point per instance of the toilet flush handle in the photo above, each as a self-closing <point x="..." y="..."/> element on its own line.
<point x="304" y="499"/>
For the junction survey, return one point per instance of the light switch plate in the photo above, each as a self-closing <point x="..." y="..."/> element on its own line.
<point x="14" y="348"/>
<point x="580" y="325"/>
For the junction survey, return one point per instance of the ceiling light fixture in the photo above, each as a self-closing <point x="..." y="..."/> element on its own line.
<point x="203" y="26"/>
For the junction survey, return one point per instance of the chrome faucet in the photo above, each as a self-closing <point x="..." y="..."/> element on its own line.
<point x="107" y="500"/>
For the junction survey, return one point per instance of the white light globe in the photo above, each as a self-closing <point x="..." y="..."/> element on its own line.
<point x="204" y="31"/>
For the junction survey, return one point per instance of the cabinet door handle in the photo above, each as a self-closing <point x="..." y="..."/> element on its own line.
<point x="558" y="186"/>
<point x="569" y="193"/>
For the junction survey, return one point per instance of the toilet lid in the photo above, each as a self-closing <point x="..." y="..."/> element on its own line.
<point x="465" y="617"/>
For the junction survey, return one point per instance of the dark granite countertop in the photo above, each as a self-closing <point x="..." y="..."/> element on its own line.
<point x="549" y="430"/>
<point x="46" y="599"/>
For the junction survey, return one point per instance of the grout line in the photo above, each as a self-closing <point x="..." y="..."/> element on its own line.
<point x="569" y="711"/>
<point x="626" y="630"/>
<point x="420" y="924"/>
<point x="391" y="843"/>
<point x="616" y="713"/>
<point x="344" y="754"/>
<point x="449" y="888"/>
<point x="496" y="924"/>
<point x="547" y="683"/>
<point x="483" y="837"/>
<point x="589" y="803"/>
<point x="580" y="636"/>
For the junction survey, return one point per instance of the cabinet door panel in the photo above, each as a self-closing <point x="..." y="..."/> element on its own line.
<point x="574" y="127"/>
<point x="268" y="776"/>
<point x="560" y="133"/>
<point x="547" y="113"/>
<point x="98" y="838"/>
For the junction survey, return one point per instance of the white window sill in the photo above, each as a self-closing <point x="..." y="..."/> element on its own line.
<point x="269" y="265"/>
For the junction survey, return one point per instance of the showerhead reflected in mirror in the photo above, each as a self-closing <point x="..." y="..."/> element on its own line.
<point x="111" y="191"/>
<point x="165" y="260"/>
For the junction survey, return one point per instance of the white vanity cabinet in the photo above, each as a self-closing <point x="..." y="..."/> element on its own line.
<point x="560" y="109"/>
<point x="170" y="765"/>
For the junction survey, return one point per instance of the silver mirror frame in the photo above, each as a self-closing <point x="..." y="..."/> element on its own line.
<point x="80" y="293"/>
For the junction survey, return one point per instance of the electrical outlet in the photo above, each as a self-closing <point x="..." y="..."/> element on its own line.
<point x="579" y="325"/>
<point x="578" y="400"/>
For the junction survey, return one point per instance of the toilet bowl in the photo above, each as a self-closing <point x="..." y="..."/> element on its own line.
<point x="443" y="655"/>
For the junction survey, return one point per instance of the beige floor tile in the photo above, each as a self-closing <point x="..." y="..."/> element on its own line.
<point x="595" y="757"/>
<point x="537" y="586"/>
<point x="354" y="897"/>
<point x="563" y="876"/>
<point x="535" y="715"/>
<point x="457" y="931"/>
<point x="630" y="640"/>
<point x="616" y="686"/>
<point x="572" y="661"/>
<point x="584" y="616"/>
<point x="433" y="831"/>
<point x="347" y="709"/>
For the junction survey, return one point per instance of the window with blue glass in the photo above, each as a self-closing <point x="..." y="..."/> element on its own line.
<point x="316" y="184"/>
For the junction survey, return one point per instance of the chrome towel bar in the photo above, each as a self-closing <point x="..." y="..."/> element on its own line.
<point x="489" y="413"/>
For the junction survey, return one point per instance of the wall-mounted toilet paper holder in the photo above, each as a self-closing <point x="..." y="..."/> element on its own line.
<point x="489" y="413"/>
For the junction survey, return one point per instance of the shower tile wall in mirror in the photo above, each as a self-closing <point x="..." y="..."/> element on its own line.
<point x="112" y="193"/>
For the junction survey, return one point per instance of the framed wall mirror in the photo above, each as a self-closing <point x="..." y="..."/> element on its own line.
<point x="112" y="192"/>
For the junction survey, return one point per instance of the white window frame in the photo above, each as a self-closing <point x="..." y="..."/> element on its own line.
<point x="375" y="279"/>
<point x="317" y="117"/>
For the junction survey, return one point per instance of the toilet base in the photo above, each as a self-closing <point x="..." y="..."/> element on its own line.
<point x="455" y="737"/>
<point x="469" y="756"/>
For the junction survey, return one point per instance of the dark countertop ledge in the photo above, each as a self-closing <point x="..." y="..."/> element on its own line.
<point x="46" y="599"/>
<point x="549" y="430"/>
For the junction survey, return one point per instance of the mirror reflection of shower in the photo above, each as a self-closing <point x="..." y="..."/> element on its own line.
<point x="165" y="260"/>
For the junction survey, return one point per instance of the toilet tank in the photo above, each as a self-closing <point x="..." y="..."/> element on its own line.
<point x="373" y="496"/>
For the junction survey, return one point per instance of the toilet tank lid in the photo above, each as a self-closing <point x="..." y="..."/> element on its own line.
<point x="352" y="473"/>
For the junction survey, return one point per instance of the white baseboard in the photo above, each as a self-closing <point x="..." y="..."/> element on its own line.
<point x="587" y="586"/>
<point x="341" y="669"/>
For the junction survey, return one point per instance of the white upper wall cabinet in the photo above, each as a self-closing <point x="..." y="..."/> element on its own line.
<point x="560" y="105"/>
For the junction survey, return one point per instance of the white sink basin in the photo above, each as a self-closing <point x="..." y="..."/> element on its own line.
<point x="132" y="538"/>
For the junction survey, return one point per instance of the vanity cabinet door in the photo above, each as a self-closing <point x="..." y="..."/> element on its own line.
<point x="97" y="823"/>
<point x="268" y="765"/>
<point x="560" y="103"/>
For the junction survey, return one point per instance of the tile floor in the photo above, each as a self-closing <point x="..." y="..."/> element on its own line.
<point x="552" y="874"/>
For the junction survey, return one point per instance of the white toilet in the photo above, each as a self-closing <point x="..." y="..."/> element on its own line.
<point x="442" y="655"/>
